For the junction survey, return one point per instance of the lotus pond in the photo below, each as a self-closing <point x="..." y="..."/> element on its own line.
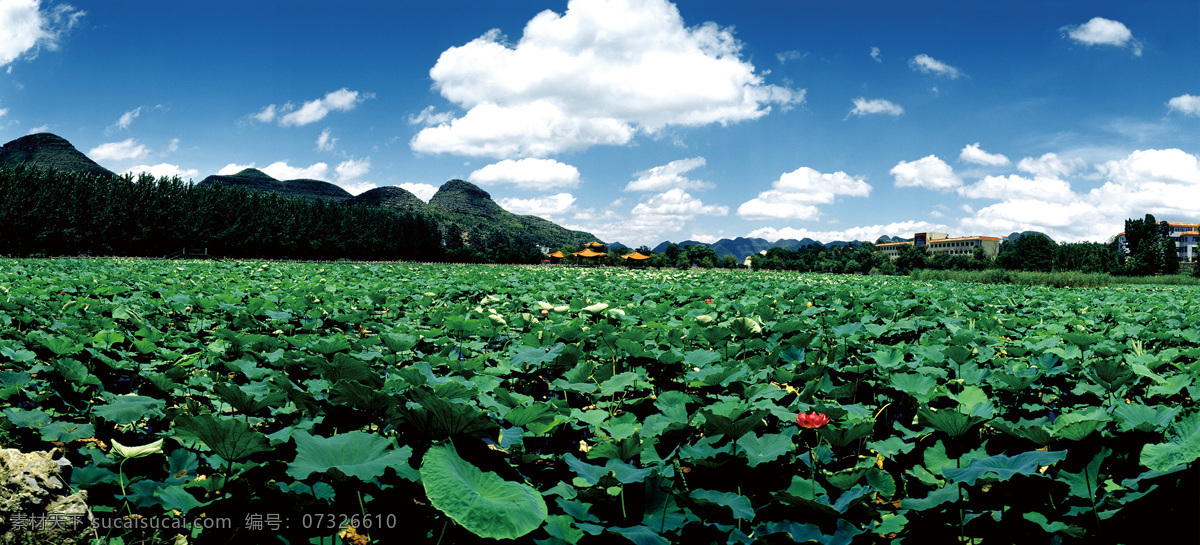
<point x="563" y="405"/>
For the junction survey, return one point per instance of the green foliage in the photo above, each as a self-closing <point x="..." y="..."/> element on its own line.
<point x="634" y="408"/>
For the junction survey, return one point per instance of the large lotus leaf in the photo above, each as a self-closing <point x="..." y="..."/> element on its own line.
<point x="536" y="357"/>
<point x="840" y="437"/>
<point x="1077" y="425"/>
<point x="1033" y="430"/>
<point x="229" y="438"/>
<point x="65" y="432"/>
<point x="1085" y="483"/>
<point x="735" y="425"/>
<point x="953" y="423"/>
<point x="768" y="448"/>
<point x="1184" y="446"/>
<point x="1145" y="418"/>
<point x="1004" y="467"/>
<point x="27" y="418"/>
<point x="640" y="535"/>
<point x="357" y="454"/>
<point x="243" y="402"/>
<point x="921" y="387"/>
<point x="127" y="409"/>
<point x="738" y="504"/>
<point x="440" y="418"/>
<point x="482" y="502"/>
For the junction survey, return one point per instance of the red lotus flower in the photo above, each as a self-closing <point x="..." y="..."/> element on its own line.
<point x="812" y="420"/>
<point x="708" y="300"/>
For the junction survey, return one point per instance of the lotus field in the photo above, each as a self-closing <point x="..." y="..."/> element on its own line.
<point x="331" y="403"/>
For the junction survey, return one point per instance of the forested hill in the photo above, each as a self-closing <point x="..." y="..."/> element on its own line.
<point x="55" y="200"/>
<point x="49" y="151"/>
<point x="258" y="180"/>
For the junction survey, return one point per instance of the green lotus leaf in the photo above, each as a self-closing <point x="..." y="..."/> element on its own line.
<point x="127" y="409"/>
<point x="768" y="448"/>
<point x="1183" y="446"/>
<point x="1003" y="467"/>
<point x="951" y="422"/>
<point x="482" y="502"/>
<point x="361" y="455"/>
<point x="139" y="451"/>
<point x="229" y="438"/>
<point x="739" y="505"/>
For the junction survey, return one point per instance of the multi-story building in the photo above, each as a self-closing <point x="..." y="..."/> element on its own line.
<point x="941" y="243"/>
<point x="1186" y="237"/>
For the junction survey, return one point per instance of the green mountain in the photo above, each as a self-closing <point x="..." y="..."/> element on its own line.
<point x="468" y="206"/>
<point x="393" y="197"/>
<point x="49" y="151"/>
<point x="257" y="180"/>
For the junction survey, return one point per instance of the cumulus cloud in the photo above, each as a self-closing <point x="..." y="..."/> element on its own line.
<point x="864" y="106"/>
<point x="281" y="170"/>
<point x="597" y="74"/>
<point x="972" y="154"/>
<point x="326" y="141"/>
<point x="164" y="170"/>
<point x="650" y="220"/>
<point x="351" y="169"/>
<point x="357" y="188"/>
<point x="118" y="151"/>
<point x="422" y="191"/>
<point x="677" y="204"/>
<point x="549" y="207"/>
<point x="173" y="146"/>
<point x="25" y="28"/>
<point x="669" y="176"/>
<point x="869" y="233"/>
<point x="288" y="115"/>
<point x="1017" y="187"/>
<point x="528" y="173"/>
<point x="430" y="116"/>
<point x="876" y="54"/>
<point x="1160" y="182"/>
<point x="1185" y="104"/>
<point x="1067" y="221"/>
<point x="929" y="65"/>
<point x="929" y="172"/>
<point x="1050" y="165"/>
<point x="795" y="194"/>
<point x="1101" y="31"/>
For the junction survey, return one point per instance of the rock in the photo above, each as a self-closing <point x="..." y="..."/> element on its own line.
<point x="35" y="499"/>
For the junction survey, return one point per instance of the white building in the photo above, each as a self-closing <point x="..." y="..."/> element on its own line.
<point x="1186" y="237"/>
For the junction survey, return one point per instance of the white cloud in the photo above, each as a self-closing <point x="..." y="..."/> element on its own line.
<point x="549" y="207"/>
<point x="266" y="115"/>
<point x="1017" y="187"/>
<point x="165" y="170"/>
<point x="677" y="204"/>
<point x="326" y="142"/>
<point x="528" y="173"/>
<point x="793" y="55"/>
<point x="650" y="221"/>
<point x="598" y="74"/>
<point x="669" y="176"/>
<point x="1049" y="165"/>
<point x="126" y="119"/>
<point x="118" y="151"/>
<point x="342" y="100"/>
<point x="869" y="233"/>
<point x="875" y="54"/>
<point x="280" y="170"/>
<point x="1063" y="222"/>
<point x="1185" y="104"/>
<point x="352" y="168"/>
<point x="972" y="154"/>
<point x="795" y="194"/>
<point x="41" y="128"/>
<point x="25" y="28"/>
<point x="430" y="116"/>
<point x="173" y="146"/>
<point x="864" y="106"/>
<point x="929" y="172"/>
<point x="930" y="65"/>
<point x="357" y="188"/>
<point x="422" y="191"/>
<point x="707" y="239"/>
<point x="1160" y="182"/>
<point x="1101" y="31"/>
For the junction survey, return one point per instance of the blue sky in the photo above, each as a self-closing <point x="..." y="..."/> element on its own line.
<point x="642" y="120"/>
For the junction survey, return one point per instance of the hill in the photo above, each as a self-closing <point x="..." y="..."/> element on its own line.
<point x="396" y="198"/>
<point x="468" y="206"/>
<point x="49" y="151"/>
<point x="257" y="180"/>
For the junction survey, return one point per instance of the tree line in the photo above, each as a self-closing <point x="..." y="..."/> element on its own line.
<point x="56" y="213"/>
